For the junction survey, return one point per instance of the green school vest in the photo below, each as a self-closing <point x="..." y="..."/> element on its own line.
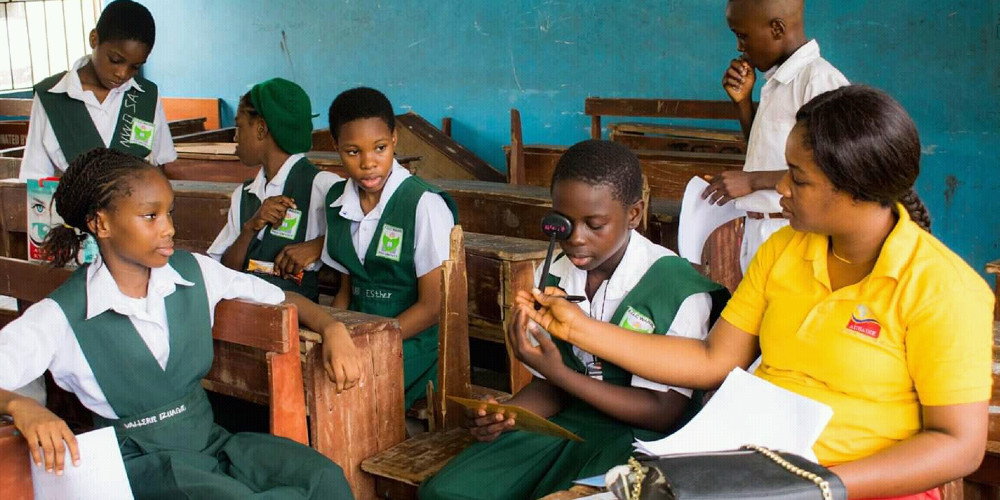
<point x="298" y="186"/>
<point x="76" y="133"/>
<point x="136" y="388"/>
<point x="386" y="284"/>
<point x="651" y="306"/>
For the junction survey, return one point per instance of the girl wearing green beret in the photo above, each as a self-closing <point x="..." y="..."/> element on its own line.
<point x="277" y="220"/>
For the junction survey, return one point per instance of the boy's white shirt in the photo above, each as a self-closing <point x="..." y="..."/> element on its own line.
<point x="690" y="321"/>
<point x="789" y="86"/>
<point x="42" y="154"/>
<point x="432" y="226"/>
<point x="263" y="189"/>
<point x="42" y="339"/>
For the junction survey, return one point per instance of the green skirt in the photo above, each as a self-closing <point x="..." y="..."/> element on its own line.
<point x="521" y="465"/>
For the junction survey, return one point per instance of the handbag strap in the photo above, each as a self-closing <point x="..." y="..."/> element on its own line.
<point x="824" y="485"/>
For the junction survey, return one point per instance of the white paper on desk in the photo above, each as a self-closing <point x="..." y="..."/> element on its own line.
<point x="748" y="410"/>
<point x="699" y="218"/>
<point x="101" y="474"/>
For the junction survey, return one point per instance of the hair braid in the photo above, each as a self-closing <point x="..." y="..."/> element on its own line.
<point x="91" y="183"/>
<point x="916" y="208"/>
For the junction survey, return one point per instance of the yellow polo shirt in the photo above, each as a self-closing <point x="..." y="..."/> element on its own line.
<point x="917" y="330"/>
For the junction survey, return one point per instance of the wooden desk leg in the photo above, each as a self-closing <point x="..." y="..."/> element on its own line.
<point x="519" y="276"/>
<point x="365" y="420"/>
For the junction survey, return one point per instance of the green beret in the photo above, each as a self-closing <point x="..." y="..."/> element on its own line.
<point x="287" y="111"/>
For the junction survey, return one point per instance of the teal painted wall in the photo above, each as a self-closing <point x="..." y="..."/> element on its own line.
<point x="473" y="60"/>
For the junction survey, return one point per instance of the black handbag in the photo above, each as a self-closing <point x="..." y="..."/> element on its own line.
<point x="752" y="472"/>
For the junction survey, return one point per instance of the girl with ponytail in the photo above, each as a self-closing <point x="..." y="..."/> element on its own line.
<point x="856" y="305"/>
<point x="131" y="335"/>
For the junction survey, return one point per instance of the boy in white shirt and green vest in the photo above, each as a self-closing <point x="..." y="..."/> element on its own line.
<point x="626" y="280"/>
<point x="771" y="36"/>
<point x="388" y="232"/>
<point x="278" y="219"/>
<point x="101" y="101"/>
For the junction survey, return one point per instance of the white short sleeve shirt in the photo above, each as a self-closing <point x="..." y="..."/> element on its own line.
<point x="43" y="156"/>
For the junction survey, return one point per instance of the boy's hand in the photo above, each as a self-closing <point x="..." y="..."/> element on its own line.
<point x="557" y="315"/>
<point x="488" y="426"/>
<point x="739" y="80"/>
<point x="341" y="358"/>
<point x="295" y="257"/>
<point x="727" y="186"/>
<point x="45" y="433"/>
<point x="545" y="357"/>
<point x="272" y="212"/>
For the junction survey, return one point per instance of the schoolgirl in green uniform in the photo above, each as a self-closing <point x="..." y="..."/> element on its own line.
<point x="627" y="280"/>
<point x="101" y="101"/>
<point x="278" y="218"/>
<point x="388" y="232"/>
<point x="130" y="335"/>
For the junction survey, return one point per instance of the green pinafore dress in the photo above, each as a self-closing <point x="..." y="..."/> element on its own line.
<point x="298" y="186"/>
<point x="76" y="133"/>
<point x="520" y="465"/>
<point x="169" y="442"/>
<point x="386" y="284"/>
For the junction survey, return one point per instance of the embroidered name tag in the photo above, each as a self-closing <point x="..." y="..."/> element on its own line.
<point x="636" y="321"/>
<point x="390" y="243"/>
<point x="152" y="419"/>
<point x="289" y="226"/>
<point x="862" y="322"/>
<point x="142" y="133"/>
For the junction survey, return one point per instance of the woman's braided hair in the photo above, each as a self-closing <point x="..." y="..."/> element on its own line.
<point x="91" y="183"/>
<point x="867" y="145"/>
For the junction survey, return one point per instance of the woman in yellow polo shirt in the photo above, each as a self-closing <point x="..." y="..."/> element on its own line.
<point x="855" y="305"/>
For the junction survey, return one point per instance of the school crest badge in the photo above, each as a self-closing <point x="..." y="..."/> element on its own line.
<point x="142" y="133"/>
<point x="289" y="226"/>
<point x="636" y="321"/>
<point x="862" y="322"/>
<point x="390" y="243"/>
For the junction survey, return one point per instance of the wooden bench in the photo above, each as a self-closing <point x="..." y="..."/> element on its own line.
<point x="401" y="468"/>
<point x="441" y="156"/>
<point x="245" y="333"/>
<point x="182" y="108"/>
<point x="667" y="172"/>
<point x="667" y="137"/>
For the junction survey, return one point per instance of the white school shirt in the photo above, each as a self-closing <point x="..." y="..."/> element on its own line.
<point x="801" y="77"/>
<point x="263" y="189"/>
<point x="42" y="154"/>
<point x="690" y="321"/>
<point x="432" y="226"/>
<point x="42" y="339"/>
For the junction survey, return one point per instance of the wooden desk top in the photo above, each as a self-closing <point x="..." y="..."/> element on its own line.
<point x="505" y="247"/>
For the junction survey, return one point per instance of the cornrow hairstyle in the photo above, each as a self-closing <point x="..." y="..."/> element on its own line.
<point x="602" y="163"/>
<point x="246" y="104"/>
<point x="357" y="104"/>
<point x="93" y="181"/>
<point x="867" y="145"/>
<point x="126" y="20"/>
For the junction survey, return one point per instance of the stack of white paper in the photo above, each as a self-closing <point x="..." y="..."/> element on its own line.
<point x="101" y="474"/>
<point x="748" y="410"/>
<point x="699" y="218"/>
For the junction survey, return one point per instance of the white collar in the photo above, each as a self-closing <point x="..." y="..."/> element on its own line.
<point x="350" y="203"/>
<point x="630" y="270"/>
<point x="795" y="63"/>
<point x="259" y="184"/>
<point x="103" y="293"/>
<point x="70" y="82"/>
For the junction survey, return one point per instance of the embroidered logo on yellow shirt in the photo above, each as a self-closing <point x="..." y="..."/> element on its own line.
<point x="862" y="322"/>
<point x="636" y="321"/>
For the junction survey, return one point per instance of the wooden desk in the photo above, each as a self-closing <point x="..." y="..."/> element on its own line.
<point x="499" y="266"/>
<point x="994" y="269"/>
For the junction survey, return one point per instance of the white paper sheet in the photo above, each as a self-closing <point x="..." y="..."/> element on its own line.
<point x="748" y="410"/>
<point x="699" y="218"/>
<point x="101" y="474"/>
